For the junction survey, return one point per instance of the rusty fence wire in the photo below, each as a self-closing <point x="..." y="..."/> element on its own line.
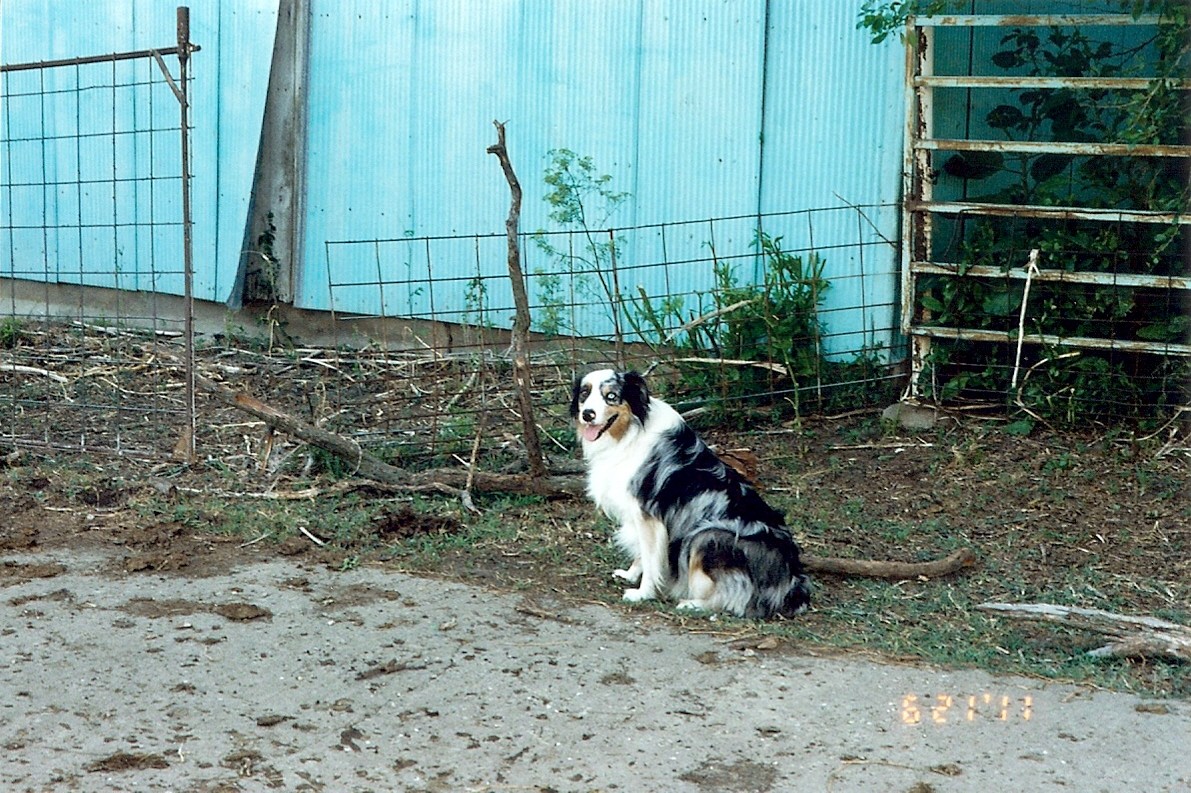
<point x="737" y="317"/>
<point x="96" y="328"/>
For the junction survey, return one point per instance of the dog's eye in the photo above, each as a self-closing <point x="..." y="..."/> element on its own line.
<point x="584" y="392"/>
<point x="612" y="398"/>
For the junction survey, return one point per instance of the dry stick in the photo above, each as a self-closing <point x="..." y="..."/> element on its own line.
<point x="770" y="365"/>
<point x="710" y="315"/>
<point x="1130" y="636"/>
<point x="865" y="568"/>
<point x="521" y="319"/>
<point x="369" y="467"/>
<point x="473" y="464"/>
<point x="312" y="538"/>
<point x="1031" y="271"/>
<point x="18" y="368"/>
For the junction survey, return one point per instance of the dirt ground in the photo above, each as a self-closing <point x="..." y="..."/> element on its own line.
<point x="284" y="675"/>
<point x="151" y="640"/>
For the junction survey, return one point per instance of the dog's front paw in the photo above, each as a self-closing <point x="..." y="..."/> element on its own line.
<point x="632" y="575"/>
<point x="693" y="605"/>
<point x="638" y="594"/>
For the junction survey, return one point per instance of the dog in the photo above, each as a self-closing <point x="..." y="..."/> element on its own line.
<point x="694" y="529"/>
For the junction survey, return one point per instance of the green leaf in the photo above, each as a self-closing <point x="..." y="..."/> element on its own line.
<point x="1020" y="428"/>
<point x="1001" y="303"/>
<point x="932" y="303"/>
<point x="974" y="164"/>
<point x="1048" y="165"/>
<point x="1171" y="329"/>
<point x="1007" y="59"/>
<point x="1005" y="117"/>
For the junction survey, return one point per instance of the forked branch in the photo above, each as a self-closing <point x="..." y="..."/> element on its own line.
<point x="521" y="318"/>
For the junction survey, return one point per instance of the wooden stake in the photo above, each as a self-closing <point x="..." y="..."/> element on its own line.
<point x="521" y="319"/>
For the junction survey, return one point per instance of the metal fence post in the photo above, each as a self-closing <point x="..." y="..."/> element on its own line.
<point x="187" y="236"/>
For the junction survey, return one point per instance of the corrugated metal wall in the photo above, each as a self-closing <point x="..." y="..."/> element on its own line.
<point x="227" y="97"/>
<point x="698" y="108"/>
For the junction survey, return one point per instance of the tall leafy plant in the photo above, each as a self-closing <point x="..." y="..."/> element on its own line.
<point x="582" y="202"/>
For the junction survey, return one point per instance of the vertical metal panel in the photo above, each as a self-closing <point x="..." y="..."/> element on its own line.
<point x="833" y="136"/>
<point x="228" y="94"/>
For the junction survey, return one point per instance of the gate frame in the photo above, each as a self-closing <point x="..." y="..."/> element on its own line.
<point x="919" y="207"/>
<point x="183" y="49"/>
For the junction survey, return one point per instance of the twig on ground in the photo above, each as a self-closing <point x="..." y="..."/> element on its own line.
<point x="369" y="467"/>
<point x="1130" y="636"/>
<point x="865" y="568"/>
<point x="18" y="368"/>
<point x="915" y="444"/>
<point x="313" y="539"/>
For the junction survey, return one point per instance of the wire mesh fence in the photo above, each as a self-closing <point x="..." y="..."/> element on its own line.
<point x="778" y="314"/>
<point x="92" y="247"/>
<point x="747" y="320"/>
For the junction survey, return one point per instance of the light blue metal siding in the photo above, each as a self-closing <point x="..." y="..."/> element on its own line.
<point x="697" y="108"/>
<point x="694" y="107"/>
<point x="227" y="98"/>
<point x="401" y="103"/>
<point x="833" y="131"/>
<point x="663" y="96"/>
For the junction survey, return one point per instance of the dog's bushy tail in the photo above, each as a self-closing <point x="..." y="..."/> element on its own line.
<point x="757" y="575"/>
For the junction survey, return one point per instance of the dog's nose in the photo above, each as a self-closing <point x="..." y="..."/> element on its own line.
<point x="589" y="415"/>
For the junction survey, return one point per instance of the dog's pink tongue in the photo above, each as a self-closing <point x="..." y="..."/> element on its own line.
<point x="591" y="432"/>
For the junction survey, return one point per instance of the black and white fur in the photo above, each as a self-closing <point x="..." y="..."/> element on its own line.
<point x="695" y="530"/>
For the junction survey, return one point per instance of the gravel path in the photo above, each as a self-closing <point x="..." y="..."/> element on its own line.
<point x="280" y="676"/>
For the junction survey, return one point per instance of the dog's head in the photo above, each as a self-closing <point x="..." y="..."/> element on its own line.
<point x="607" y="403"/>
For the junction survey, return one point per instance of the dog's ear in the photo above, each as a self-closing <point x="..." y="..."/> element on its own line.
<point x="636" y="395"/>
<point x="575" y="386"/>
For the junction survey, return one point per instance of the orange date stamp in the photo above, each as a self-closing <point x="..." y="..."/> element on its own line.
<point x="940" y="709"/>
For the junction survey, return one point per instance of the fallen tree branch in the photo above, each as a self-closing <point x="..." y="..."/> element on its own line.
<point x="866" y="568"/>
<point x="1130" y="636"/>
<point x="369" y="467"/>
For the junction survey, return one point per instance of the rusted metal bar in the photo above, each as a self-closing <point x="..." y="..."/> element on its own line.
<point x="1030" y="81"/>
<point x="1051" y="339"/>
<point x="1057" y="213"/>
<point x="1064" y="276"/>
<point x="169" y="78"/>
<point x="187" y="226"/>
<point x="915" y="163"/>
<point x="919" y="209"/>
<point x="1055" y="147"/>
<point x="115" y="56"/>
<point x="1040" y="20"/>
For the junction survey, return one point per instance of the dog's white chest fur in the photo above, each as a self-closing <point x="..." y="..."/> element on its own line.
<point x="612" y="465"/>
<point x="609" y="475"/>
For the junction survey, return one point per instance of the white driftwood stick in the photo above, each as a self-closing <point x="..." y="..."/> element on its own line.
<point x="1131" y="636"/>
<point x="312" y="538"/>
<point x="16" y="367"/>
